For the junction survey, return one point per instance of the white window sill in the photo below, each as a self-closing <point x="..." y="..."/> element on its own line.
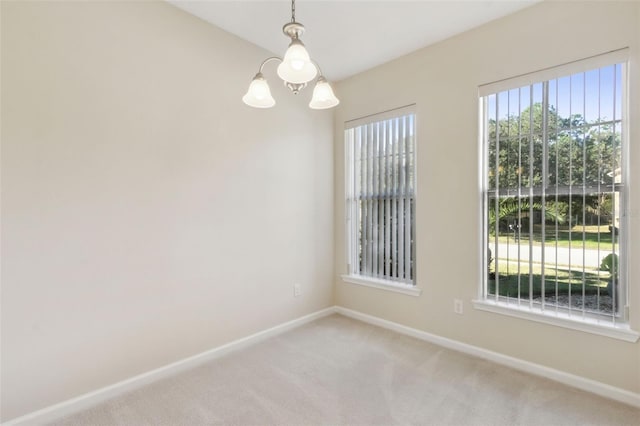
<point x="560" y="319"/>
<point x="407" y="289"/>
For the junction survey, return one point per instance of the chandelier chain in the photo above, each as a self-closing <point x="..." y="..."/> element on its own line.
<point x="293" y="10"/>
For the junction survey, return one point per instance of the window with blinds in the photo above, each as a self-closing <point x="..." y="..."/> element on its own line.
<point x="380" y="160"/>
<point x="554" y="190"/>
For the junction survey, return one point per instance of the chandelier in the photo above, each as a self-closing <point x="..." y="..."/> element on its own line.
<point x="296" y="69"/>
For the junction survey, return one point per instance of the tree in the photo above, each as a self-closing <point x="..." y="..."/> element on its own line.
<point x="568" y="152"/>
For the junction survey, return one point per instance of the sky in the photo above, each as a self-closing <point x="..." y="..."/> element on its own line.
<point x="593" y="94"/>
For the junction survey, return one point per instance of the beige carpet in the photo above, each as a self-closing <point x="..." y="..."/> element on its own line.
<point x="338" y="371"/>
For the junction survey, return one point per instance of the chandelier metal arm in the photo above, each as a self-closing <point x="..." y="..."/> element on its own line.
<point x="295" y="88"/>
<point x="320" y="74"/>
<point x="272" y="58"/>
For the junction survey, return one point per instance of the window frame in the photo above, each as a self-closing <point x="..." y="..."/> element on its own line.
<point x="352" y="208"/>
<point x="617" y="326"/>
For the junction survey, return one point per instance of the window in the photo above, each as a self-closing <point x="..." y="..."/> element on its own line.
<point x="554" y="191"/>
<point x="380" y="164"/>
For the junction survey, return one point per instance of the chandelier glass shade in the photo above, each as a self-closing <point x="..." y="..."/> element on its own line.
<point x="296" y="66"/>
<point x="296" y="70"/>
<point x="323" y="96"/>
<point x="259" y="94"/>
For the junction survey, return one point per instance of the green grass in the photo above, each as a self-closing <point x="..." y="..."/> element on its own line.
<point x="588" y="237"/>
<point x="567" y="281"/>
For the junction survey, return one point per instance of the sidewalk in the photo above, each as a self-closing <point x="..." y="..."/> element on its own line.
<point x="587" y="258"/>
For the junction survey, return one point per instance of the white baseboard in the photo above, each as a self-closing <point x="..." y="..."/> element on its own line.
<point x="598" y="388"/>
<point x="87" y="400"/>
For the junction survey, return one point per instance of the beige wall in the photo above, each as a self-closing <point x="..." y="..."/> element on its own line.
<point x="147" y="214"/>
<point x="443" y="81"/>
<point x="144" y="221"/>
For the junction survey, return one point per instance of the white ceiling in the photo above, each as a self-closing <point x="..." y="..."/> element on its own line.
<point x="348" y="37"/>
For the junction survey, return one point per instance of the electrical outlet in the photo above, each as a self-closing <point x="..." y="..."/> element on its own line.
<point x="297" y="290"/>
<point x="457" y="306"/>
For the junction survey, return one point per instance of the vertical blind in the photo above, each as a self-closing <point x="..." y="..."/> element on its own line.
<point x="554" y="193"/>
<point x="381" y="197"/>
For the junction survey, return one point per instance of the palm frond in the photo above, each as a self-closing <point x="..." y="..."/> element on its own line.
<point x="513" y="208"/>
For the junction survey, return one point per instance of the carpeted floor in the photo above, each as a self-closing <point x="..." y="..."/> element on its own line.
<point x="338" y="371"/>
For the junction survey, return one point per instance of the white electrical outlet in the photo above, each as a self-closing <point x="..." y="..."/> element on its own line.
<point x="457" y="306"/>
<point x="297" y="291"/>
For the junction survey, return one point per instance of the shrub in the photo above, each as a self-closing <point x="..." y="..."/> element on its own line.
<point x="610" y="264"/>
